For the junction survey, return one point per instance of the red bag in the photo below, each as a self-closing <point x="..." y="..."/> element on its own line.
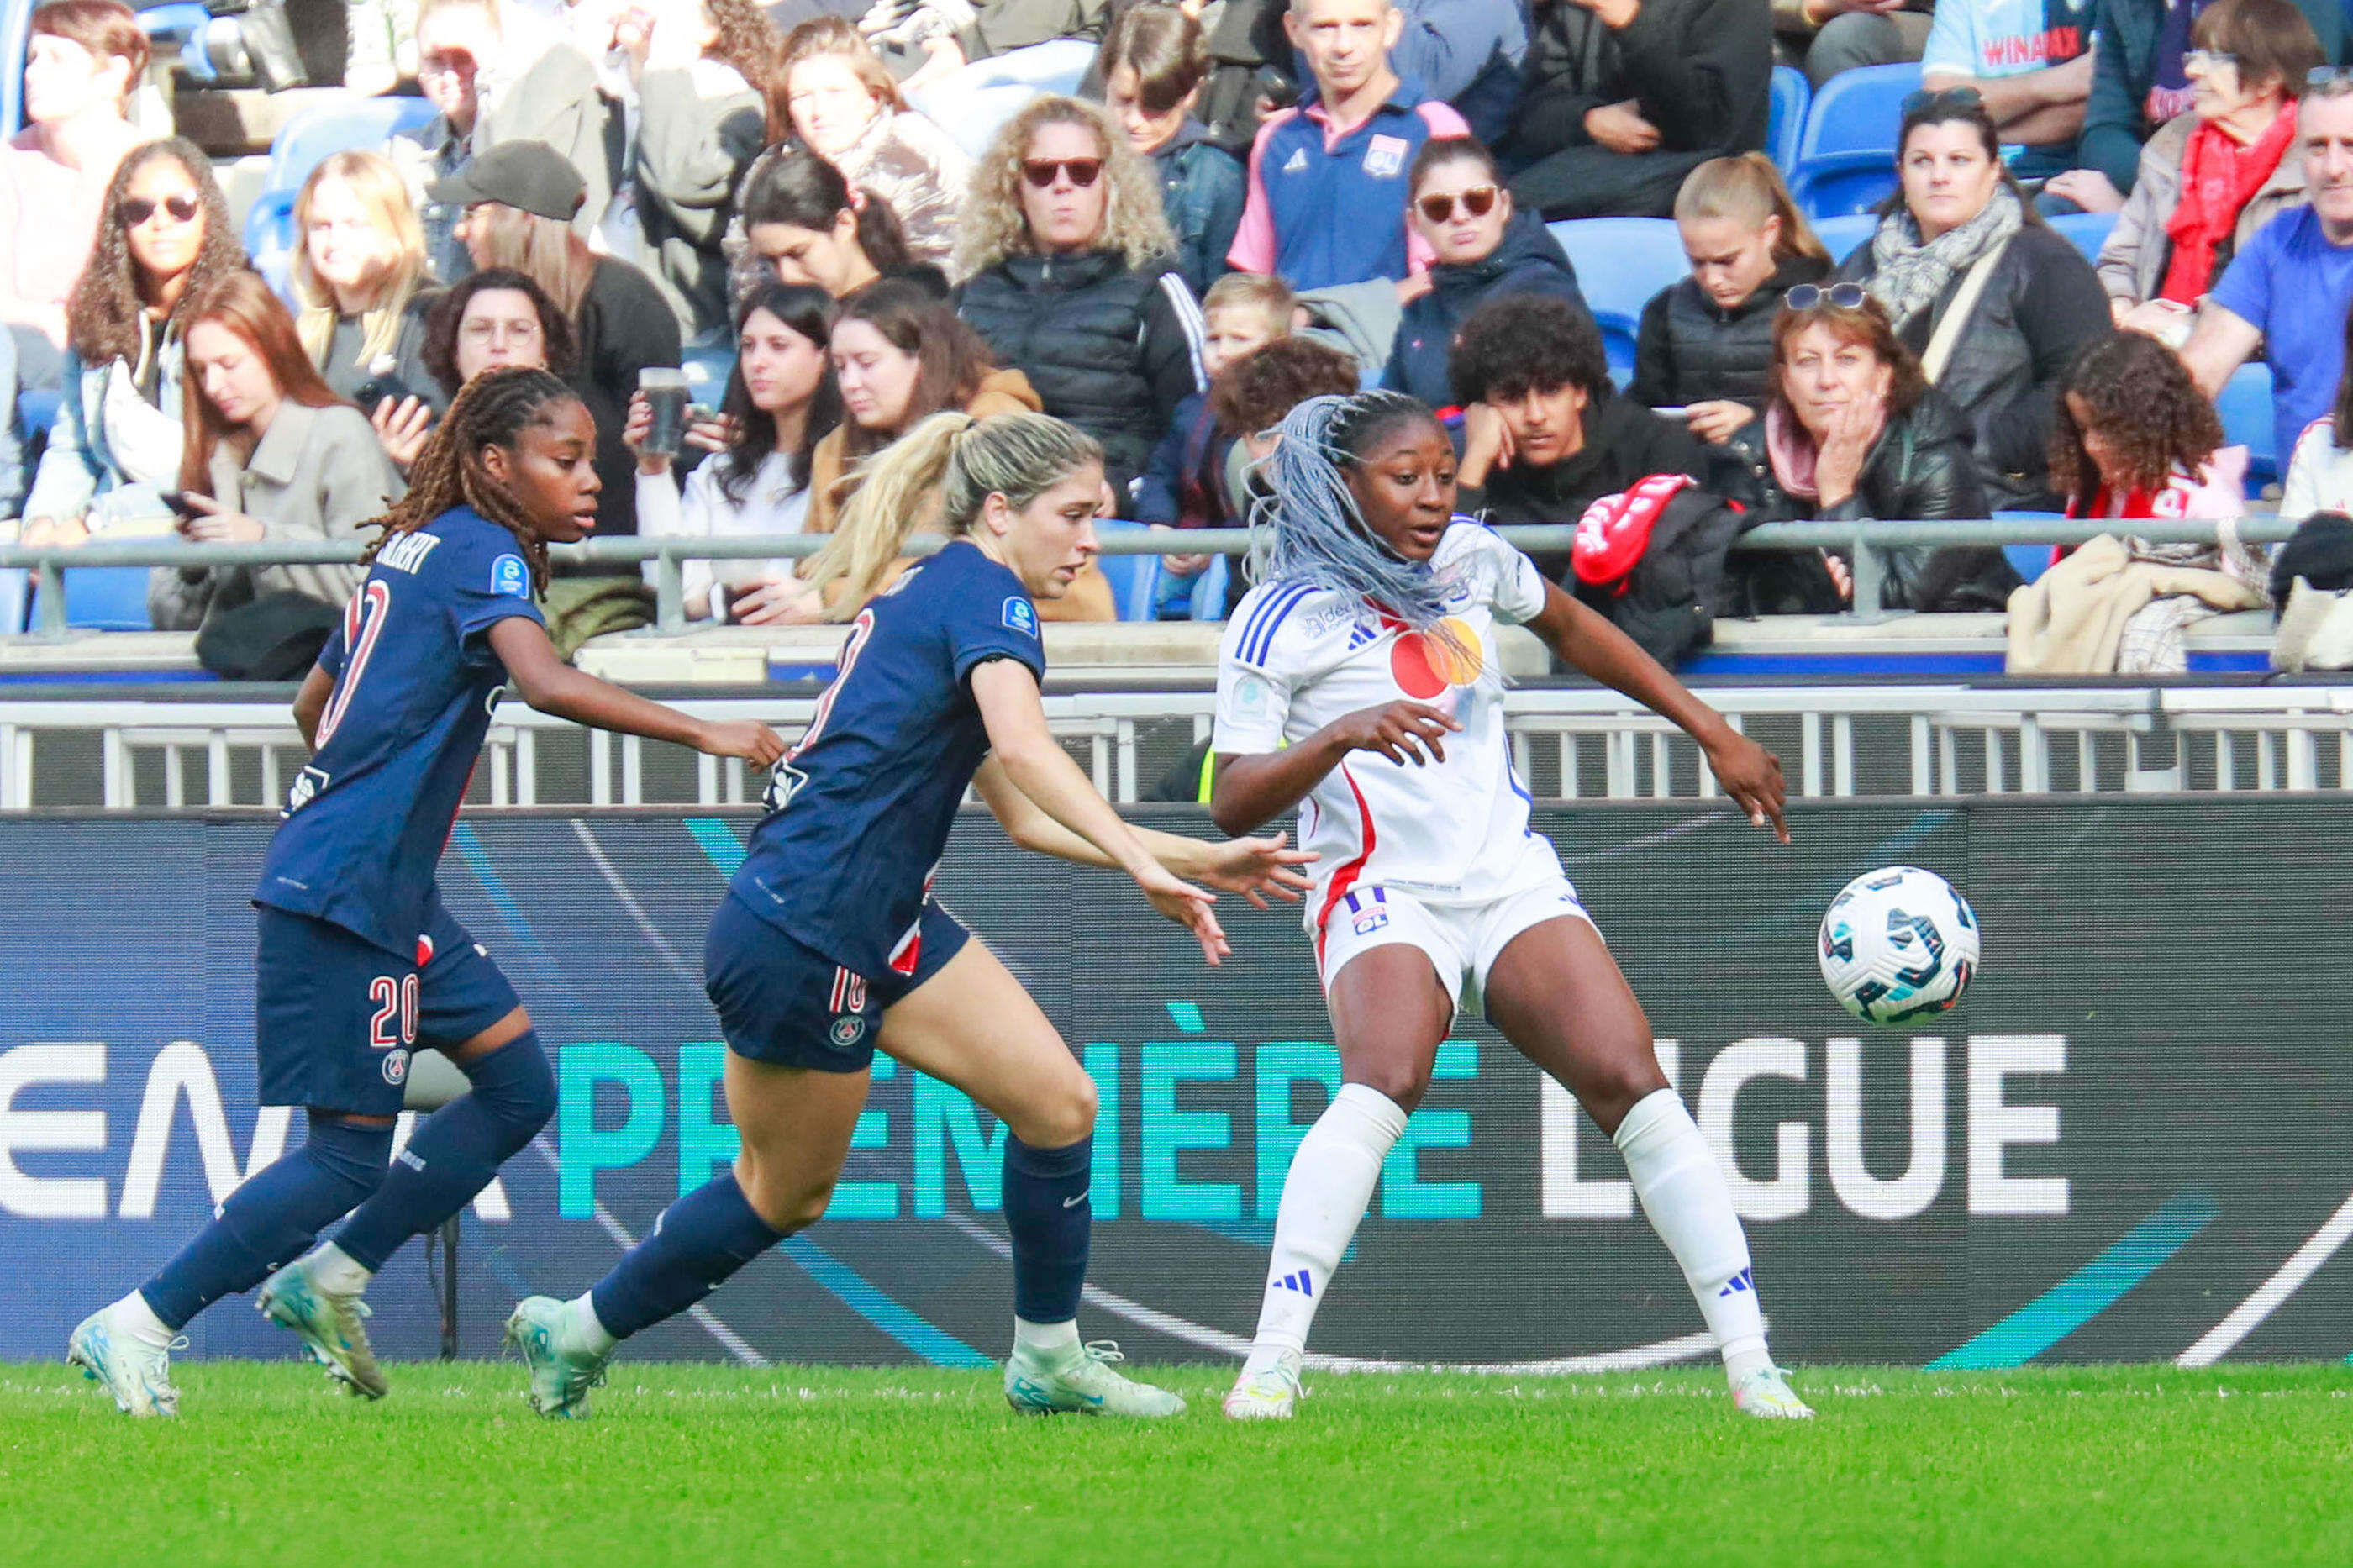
<point x="1616" y="530"/>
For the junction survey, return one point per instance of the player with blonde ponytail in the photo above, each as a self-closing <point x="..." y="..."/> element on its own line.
<point x="828" y="945"/>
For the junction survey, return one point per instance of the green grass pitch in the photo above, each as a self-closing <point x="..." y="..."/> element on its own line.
<point x="707" y="1465"/>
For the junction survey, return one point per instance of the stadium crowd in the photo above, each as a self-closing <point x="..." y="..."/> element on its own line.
<point x="870" y="215"/>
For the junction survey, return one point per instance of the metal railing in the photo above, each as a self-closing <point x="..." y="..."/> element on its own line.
<point x="1868" y="543"/>
<point x="1569" y="742"/>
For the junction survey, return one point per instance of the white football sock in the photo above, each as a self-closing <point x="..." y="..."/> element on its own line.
<point x="332" y="1269"/>
<point x="1049" y="1341"/>
<point x="1325" y="1193"/>
<point x="137" y="1319"/>
<point x="1682" y="1193"/>
<point x="585" y="1324"/>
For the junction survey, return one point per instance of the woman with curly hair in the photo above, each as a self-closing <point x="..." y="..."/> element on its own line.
<point x="2134" y="438"/>
<point x="1071" y="275"/>
<point x="702" y="68"/>
<point x="164" y="234"/>
<point x="359" y="961"/>
<point x="833" y="98"/>
<point x="496" y="318"/>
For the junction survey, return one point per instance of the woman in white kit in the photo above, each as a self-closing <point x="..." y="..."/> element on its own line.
<point x="1359" y="681"/>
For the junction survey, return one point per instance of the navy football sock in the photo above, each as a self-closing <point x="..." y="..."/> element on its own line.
<point x="454" y="1155"/>
<point x="1051" y="1222"/>
<point x="698" y="1243"/>
<point x="270" y="1219"/>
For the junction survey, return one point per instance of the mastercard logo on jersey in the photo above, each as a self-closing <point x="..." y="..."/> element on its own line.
<point x="1426" y="663"/>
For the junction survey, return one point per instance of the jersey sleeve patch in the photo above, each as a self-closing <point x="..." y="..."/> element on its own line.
<point x="509" y="577"/>
<point x="1020" y="614"/>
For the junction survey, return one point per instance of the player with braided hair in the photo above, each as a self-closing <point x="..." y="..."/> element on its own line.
<point x="828" y="944"/>
<point x="1360" y="677"/>
<point x="359" y="962"/>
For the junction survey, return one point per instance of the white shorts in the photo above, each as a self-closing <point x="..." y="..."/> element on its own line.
<point x="1461" y="940"/>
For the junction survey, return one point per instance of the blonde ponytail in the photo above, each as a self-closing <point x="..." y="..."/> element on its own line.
<point x="939" y="473"/>
<point x="1748" y="190"/>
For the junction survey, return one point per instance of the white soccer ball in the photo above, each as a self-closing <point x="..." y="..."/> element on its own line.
<point x="1898" y="943"/>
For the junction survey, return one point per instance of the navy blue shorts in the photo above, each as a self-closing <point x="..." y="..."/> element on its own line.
<point x="335" y="1016"/>
<point x="789" y="1005"/>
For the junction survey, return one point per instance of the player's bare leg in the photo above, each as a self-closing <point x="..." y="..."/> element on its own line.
<point x="1390" y="1012"/>
<point x="1556" y="995"/>
<point x="974" y="1025"/>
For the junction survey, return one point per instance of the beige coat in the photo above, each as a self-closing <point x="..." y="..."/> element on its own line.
<point x="2133" y="262"/>
<point x="2071" y="620"/>
<point x="317" y="473"/>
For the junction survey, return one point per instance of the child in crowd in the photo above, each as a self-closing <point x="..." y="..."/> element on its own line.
<point x="1182" y="487"/>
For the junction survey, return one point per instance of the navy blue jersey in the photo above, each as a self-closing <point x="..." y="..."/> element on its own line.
<point x="858" y="810"/>
<point x="415" y="682"/>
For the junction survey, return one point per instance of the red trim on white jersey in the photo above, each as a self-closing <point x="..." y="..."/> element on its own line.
<point x="1346" y="876"/>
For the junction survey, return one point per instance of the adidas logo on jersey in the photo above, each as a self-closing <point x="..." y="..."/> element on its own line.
<point x="1298" y="1281"/>
<point x="1298" y="160"/>
<point x="1738" y="1283"/>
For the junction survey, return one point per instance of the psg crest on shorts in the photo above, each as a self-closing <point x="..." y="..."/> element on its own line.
<point x="396" y="1066"/>
<point x="847" y="1032"/>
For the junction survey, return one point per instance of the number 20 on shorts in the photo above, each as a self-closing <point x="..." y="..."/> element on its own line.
<point x="395" y="1007"/>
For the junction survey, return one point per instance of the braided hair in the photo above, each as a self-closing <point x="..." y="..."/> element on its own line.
<point x="492" y="410"/>
<point x="1308" y="526"/>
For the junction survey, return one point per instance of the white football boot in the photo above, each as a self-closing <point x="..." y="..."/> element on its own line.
<point x="1082" y="1378"/>
<point x="1765" y="1395"/>
<point x="1270" y="1393"/>
<point x="137" y="1373"/>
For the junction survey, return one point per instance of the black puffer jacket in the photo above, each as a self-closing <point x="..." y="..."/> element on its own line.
<point x="1111" y="348"/>
<point x="2041" y="306"/>
<point x="1527" y="260"/>
<point x="1920" y="470"/>
<point x="1691" y="350"/>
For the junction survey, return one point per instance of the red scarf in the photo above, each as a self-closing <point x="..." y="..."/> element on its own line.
<point x="2218" y="178"/>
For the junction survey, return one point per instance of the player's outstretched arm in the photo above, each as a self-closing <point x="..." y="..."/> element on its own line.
<point x="311" y="702"/>
<point x="1254" y="787"/>
<point x="554" y="687"/>
<point x="1750" y="774"/>
<point x="1034" y="762"/>
<point x="1253" y="868"/>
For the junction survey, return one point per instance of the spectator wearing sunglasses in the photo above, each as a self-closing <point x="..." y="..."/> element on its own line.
<point x="1154" y="62"/>
<point x="1544" y="435"/>
<point x="2029" y="60"/>
<point x="1326" y="205"/>
<point x="1853" y="430"/>
<point x="497" y="78"/>
<point x="2140" y="79"/>
<point x="1485" y="248"/>
<point x="1625" y="98"/>
<point x="2286" y="294"/>
<point x="1071" y="278"/>
<point x="83" y="60"/>
<point x="2211" y="178"/>
<point x="1705" y="343"/>
<point x="1957" y="236"/>
<point x="163" y="234"/>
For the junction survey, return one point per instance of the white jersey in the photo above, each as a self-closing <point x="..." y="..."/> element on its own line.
<point x="1294" y="659"/>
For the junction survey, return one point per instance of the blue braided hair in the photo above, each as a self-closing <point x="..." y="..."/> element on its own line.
<point x="1307" y="526"/>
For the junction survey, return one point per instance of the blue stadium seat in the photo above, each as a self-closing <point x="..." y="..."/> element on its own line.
<point x="306" y="141"/>
<point x="2085" y="231"/>
<point x="102" y="599"/>
<point x="1846" y="159"/>
<point x="1843" y="237"/>
<point x="2030" y="560"/>
<point x="2245" y="405"/>
<point x="1134" y="578"/>
<point x="1621" y="262"/>
<point x="1792" y="95"/>
<point x="37" y="411"/>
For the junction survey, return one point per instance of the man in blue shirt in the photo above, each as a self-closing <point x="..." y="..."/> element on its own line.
<point x="2288" y="291"/>
<point x="1327" y="180"/>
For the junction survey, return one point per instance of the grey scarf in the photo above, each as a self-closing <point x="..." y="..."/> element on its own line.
<point x="1908" y="277"/>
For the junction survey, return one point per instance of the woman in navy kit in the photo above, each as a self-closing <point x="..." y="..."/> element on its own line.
<point x="358" y="960"/>
<point x="828" y="946"/>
